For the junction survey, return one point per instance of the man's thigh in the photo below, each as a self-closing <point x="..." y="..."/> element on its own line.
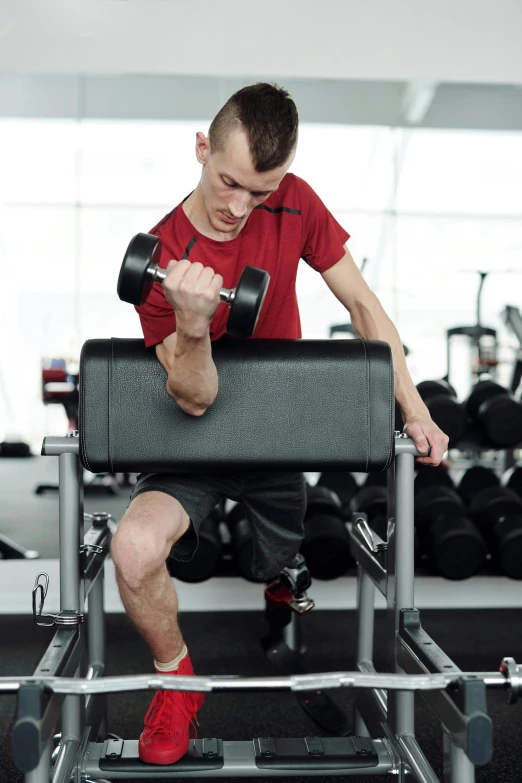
<point x="197" y="493"/>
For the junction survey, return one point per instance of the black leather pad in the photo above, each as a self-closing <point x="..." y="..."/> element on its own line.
<point x="309" y="405"/>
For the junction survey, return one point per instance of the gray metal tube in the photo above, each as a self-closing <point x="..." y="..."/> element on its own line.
<point x="72" y="718"/>
<point x="404" y="572"/>
<point x="65" y="762"/>
<point x="53" y="446"/>
<point x="416" y="759"/>
<point x="365" y="623"/>
<point x="41" y="773"/>
<point x="365" y="615"/>
<point x="71" y="523"/>
<point x="457" y="767"/>
<point x="404" y="535"/>
<point x="70" y="511"/>
<point x="96" y="623"/>
<point x="404" y="445"/>
<point x="96" y="639"/>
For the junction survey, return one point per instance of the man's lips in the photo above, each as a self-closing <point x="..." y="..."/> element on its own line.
<point x="228" y="219"/>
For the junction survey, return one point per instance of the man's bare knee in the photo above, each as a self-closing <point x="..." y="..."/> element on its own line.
<point x="152" y="524"/>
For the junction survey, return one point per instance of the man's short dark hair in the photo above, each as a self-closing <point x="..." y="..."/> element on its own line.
<point x="268" y="115"/>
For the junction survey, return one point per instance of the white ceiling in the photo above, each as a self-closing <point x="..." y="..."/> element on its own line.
<point x="477" y="41"/>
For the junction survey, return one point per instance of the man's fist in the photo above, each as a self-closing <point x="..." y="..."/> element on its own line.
<point x="193" y="291"/>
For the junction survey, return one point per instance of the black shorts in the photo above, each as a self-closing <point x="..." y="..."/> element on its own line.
<point x="275" y="504"/>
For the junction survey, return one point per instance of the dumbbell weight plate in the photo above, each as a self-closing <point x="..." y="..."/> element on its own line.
<point x="248" y="302"/>
<point x="493" y="503"/>
<point x="458" y="550"/>
<point x="429" y="475"/>
<point x="506" y="538"/>
<point x="340" y="482"/>
<point x="134" y="283"/>
<point x="476" y="479"/>
<point x="497" y="412"/>
<point x="326" y="546"/>
<point x="512" y="479"/>
<point x="323" y="499"/>
<point x="502" y="420"/>
<point x="206" y="560"/>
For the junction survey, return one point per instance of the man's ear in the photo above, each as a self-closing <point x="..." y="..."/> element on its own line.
<point x="202" y="147"/>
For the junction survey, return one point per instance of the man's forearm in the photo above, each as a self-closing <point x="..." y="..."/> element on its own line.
<point x="372" y="323"/>
<point x="192" y="380"/>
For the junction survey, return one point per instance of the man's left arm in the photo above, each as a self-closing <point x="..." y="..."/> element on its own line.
<point x="371" y="322"/>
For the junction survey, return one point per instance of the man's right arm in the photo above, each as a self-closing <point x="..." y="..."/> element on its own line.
<point x="192" y="378"/>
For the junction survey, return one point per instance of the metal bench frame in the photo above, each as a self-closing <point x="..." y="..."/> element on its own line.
<point x="386" y="714"/>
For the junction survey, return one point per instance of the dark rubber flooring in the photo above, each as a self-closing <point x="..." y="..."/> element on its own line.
<point x="228" y="643"/>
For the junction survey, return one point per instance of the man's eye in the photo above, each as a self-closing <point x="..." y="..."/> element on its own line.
<point x="229" y="184"/>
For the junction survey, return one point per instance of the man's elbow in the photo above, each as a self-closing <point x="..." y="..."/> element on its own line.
<point x="191" y="409"/>
<point x="186" y="405"/>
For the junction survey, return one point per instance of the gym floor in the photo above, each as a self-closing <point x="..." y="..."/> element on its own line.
<point x="227" y="642"/>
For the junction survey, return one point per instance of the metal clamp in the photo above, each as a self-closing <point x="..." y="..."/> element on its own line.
<point x="101" y="519"/>
<point x="361" y="524"/>
<point x="366" y="532"/>
<point x="65" y="618"/>
<point x="88" y="548"/>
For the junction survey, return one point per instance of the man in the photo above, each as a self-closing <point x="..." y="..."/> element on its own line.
<point x="246" y="209"/>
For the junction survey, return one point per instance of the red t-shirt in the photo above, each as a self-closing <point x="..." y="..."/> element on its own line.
<point x="292" y="223"/>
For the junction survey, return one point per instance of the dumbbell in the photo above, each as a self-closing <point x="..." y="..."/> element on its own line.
<point x="140" y="270"/>
<point x="497" y="414"/>
<point x="242" y="541"/>
<point x="342" y="483"/>
<point x="512" y="479"/>
<point x="326" y="543"/>
<point x="498" y="513"/>
<point x="377" y="478"/>
<point x="207" y="557"/>
<point x="451" y="540"/>
<point x="474" y="480"/>
<point x="441" y="400"/>
<point x="431" y="475"/>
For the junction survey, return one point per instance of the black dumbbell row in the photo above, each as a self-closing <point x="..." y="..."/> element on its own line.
<point x="490" y="415"/>
<point x="455" y="527"/>
<point x="451" y="536"/>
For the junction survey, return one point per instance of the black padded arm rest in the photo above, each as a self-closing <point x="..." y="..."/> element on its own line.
<point x="282" y="405"/>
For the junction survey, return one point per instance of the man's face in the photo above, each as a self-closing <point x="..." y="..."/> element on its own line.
<point x="230" y="185"/>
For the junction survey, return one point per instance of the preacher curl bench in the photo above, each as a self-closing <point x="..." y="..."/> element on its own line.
<point x="282" y="405"/>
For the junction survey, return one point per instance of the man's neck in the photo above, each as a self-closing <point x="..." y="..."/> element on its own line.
<point x="194" y="209"/>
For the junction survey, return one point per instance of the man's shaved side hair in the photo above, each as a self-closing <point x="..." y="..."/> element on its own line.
<point x="268" y="116"/>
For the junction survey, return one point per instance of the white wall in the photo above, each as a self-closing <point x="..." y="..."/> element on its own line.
<point x="448" y="40"/>
<point x="73" y="193"/>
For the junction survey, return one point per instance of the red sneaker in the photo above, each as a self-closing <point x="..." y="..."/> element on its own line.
<point x="166" y="736"/>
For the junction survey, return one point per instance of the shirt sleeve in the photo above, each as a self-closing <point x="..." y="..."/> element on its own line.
<point x="157" y="317"/>
<point x="323" y="237"/>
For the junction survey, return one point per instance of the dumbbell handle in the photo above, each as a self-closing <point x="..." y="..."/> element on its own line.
<point x="157" y="274"/>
